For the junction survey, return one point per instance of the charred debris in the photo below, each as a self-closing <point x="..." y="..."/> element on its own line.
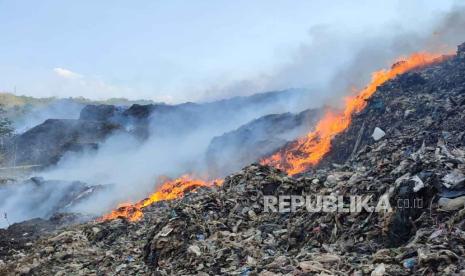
<point x="417" y="152"/>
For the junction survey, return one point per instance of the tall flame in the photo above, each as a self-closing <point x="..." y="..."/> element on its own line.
<point x="170" y="189"/>
<point x="307" y="151"/>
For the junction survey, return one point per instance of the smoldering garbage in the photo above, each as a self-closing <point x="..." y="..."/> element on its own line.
<point x="225" y="230"/>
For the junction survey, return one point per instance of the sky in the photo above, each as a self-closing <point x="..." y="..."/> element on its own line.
<point x="175" y="51"/>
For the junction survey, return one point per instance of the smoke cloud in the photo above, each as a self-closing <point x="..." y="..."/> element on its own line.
<point x="30" y="116"/>
<point x="336" y="60"/>
<point x="129" y="166"/>
<point x="328" y="67"/>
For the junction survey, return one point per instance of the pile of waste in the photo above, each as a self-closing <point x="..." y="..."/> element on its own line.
<point x="406" y="149"/>
<point x="233" y="150"/>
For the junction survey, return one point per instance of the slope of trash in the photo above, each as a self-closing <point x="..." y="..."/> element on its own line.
<point x="407" y="146"/>
<point x="259" y="138"/>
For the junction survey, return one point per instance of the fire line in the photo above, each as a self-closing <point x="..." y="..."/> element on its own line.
<point x="299" y="155"/>
<point x="169" y="190"/>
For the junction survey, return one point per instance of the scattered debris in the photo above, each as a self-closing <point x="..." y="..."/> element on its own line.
<point x="453" y="179"/>
<point x="225" y="230"/>
<point x="380" y="270"/>
<point x="449" y="204"/>
<point x="378" y="134"/>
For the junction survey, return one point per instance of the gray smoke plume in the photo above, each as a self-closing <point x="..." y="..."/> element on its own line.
<point x="329" y="66"/>
<point x="336" y="60"/>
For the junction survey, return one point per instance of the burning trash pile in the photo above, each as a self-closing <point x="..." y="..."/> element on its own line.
<point x="170" y="189"/>
<point x="305" y="152"/>
<point x="404" y="146"/>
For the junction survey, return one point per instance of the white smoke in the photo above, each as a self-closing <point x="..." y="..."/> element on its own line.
<point x="33" y="115"/>
<point x="329" y="65"/>
<point x="130" y="166"/>
<point x="133" y="167"/>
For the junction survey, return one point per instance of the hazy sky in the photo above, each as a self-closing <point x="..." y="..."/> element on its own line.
<point x="174" y="50"/>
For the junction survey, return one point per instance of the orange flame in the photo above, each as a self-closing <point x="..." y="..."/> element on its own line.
<point x="297" y="156"/>
<point x="170" y="189"/>
<point x="307" y="151"/>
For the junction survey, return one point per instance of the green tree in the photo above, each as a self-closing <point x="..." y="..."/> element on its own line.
<point x="6" y="127"/>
